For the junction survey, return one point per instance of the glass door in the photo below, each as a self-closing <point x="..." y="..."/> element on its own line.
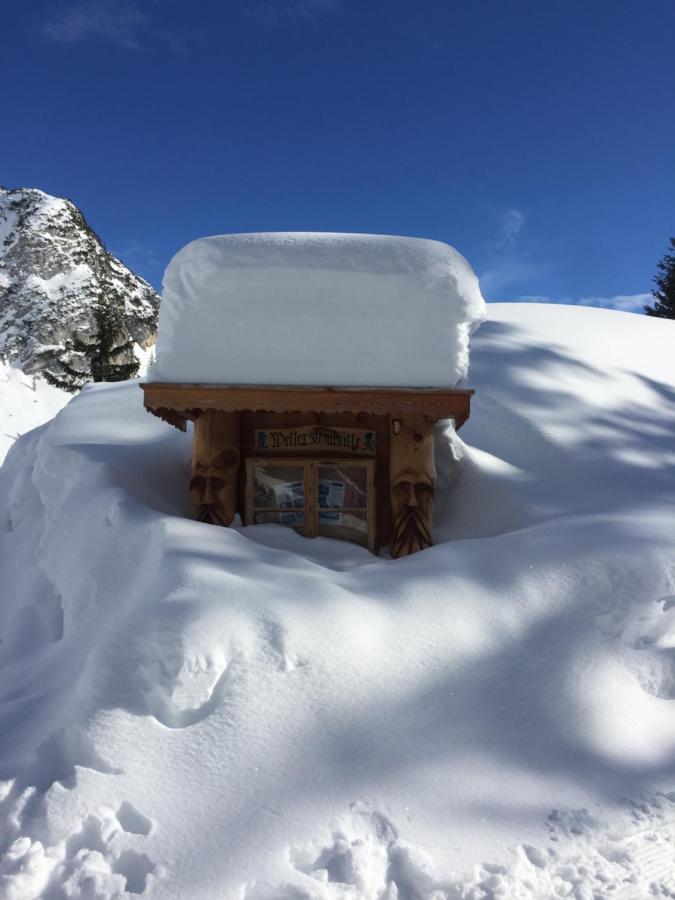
<point x="342" y="491"/>
<point x="327" y="498"/>
<point x="278" y="494"/>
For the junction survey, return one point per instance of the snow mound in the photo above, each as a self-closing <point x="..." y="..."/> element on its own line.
<point x="26" y="401"/>
<point x="244" y="714"/>
<point x="338" y="309"/>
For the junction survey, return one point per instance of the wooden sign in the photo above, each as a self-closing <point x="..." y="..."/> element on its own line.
<point x="316" y="438"/>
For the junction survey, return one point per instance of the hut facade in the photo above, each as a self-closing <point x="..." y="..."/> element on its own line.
<point x="314" y="368"/>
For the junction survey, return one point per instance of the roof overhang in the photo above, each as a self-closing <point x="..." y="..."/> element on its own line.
<point x="179" y="403"/>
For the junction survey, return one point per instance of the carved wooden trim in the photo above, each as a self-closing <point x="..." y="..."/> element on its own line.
<point x="177" y="419"/>
<point x="176" y="403"/>
<point x="412" y="484"/>
<point x="215" y="465"/>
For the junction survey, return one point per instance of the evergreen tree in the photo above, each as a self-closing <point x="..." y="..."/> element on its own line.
<point x="104" y="355"/>
<point x="665" y="287"/>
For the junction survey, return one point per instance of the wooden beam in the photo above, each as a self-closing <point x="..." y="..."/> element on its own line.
<point x="215" y="465"/>
<point x="176" y="403"/>
<point x="412" y="483"/>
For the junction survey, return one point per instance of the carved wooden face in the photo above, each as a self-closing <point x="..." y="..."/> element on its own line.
<point x="412" y="501"/>
<point x="213" y="488"/>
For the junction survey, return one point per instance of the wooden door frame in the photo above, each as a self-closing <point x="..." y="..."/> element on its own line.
<point x="310" y="480"/>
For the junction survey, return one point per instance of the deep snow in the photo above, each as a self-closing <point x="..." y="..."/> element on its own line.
<point x="26" y="401"/>
<point x="194" y="712"/>
<point x="314" y="308"/>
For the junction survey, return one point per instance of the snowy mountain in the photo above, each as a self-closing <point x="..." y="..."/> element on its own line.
<point x="52" y="267"/>
<point x="244" y="714"/>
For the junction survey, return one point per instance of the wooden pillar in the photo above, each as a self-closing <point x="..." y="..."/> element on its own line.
<point x="215" y="464"/>
<point x="412" y="482"/>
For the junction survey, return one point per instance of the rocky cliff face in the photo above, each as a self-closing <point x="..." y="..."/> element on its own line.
<point x="53" y="269"/>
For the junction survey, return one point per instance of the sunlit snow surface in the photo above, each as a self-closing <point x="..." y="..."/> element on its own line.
<point x="192" y="712"/>
<point x="315" y="308"/>
<point x="26" y="401"/>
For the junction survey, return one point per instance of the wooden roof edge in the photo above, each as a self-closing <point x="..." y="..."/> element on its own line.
<point x="178" y="403"/>
<point x="333" y="389"/>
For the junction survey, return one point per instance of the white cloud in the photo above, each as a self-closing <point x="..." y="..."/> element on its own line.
<point x="508" y="262"/>
<point x="272" y="11"/>
<point x="512" y="222"/>
<point x="509" y="270"/>
<point x="121" y="21"/>
<point x="623" y="302"/>
<point x="510" y="266"/>
<point x="626" y="302"/>
<point x="139" y="256"/>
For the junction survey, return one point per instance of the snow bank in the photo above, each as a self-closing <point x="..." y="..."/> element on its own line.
<point x="244" y="714"/>
<point x="339" y="309"/>
<point x="26" y="401"/>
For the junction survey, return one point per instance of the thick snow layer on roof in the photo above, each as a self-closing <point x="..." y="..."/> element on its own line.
<point x="297" y="308"/>
<point x="245" y="714"/>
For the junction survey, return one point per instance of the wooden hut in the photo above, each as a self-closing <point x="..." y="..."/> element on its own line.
<point x="347" y="461"/>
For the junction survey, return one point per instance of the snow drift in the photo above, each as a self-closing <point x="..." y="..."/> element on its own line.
<point x="25" y="402"/>
<point x="202" y="713"/>
<point x="338" y="309"/>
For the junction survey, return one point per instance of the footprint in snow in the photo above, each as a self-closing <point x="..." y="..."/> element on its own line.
<point x="95" y="861"/>
<point x="132" y="821"/>
<point x="172" y="715"/>
<point x="651" y="631"/>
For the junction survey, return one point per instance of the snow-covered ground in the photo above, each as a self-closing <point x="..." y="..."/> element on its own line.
<point x="192" y="712"/>
<point x="26" y="401"/>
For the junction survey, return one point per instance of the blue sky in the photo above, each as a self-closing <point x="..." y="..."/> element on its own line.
<point x="536" y="136"/>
